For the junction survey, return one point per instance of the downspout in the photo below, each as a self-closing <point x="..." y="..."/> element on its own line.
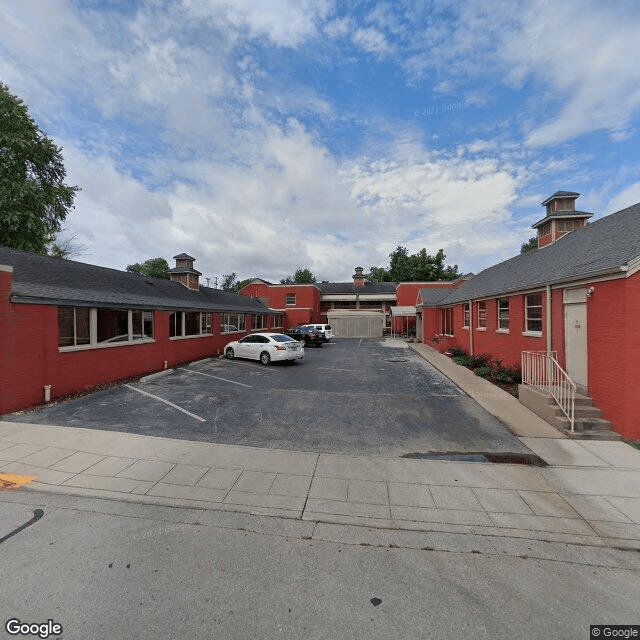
<point x="470" y="328"/>
<point x="549" y="328"/>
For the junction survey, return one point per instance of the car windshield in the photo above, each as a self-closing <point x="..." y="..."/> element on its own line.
<point x="282" y="338"/>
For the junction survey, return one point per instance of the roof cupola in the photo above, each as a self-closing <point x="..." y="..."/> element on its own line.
<point x="184" y="273"/>
<point x="561" y="217"/>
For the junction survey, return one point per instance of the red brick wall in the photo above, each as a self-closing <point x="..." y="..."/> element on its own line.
<point x="613" y="325"/>
<point x="306" y="309"/>
<point x="30" y="359"/>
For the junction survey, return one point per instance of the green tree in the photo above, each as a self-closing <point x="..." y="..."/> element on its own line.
<point x="242" y="284"/>
<point x="417" y="267"/>
<point x="530" y="245"/>
<point x="229" y="281"/>
<point x="301" y="276"/>
<point x="34" y="200"/>
<point x="156" y="267"/>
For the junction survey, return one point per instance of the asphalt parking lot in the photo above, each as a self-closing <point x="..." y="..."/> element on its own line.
<point x="362" y="397"/>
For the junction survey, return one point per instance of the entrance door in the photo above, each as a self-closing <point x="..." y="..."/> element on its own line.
<point x="575" y="330"/>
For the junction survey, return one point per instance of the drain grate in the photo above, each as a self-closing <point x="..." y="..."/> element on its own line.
<point x="480" y="456"/>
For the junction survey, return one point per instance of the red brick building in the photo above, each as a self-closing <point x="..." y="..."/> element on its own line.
<point x="67" y="326"/>
<point x="577" y="295"/>
<point x="360" y="308"/>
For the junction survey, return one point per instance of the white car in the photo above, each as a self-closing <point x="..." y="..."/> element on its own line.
<point x="325" y="329"/>
<point x="266" y="347"/>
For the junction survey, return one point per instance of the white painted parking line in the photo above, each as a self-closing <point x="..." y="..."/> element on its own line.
<point x="175" y="406"/>
<point x="242" y="384"/>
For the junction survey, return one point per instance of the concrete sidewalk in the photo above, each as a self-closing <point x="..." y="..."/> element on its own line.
<point x="589" y="495"/>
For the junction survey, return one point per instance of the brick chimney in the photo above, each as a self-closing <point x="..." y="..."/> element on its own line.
<point x="184" y="273"/>
<point x="358" y="277"/>
<point x="561" y="217"/>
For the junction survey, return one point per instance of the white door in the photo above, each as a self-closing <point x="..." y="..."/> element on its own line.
<point x="575" y="323"/>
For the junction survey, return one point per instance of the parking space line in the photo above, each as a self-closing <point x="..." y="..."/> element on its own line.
<point x="175" y="406"/>
<point x="242" y="384"/>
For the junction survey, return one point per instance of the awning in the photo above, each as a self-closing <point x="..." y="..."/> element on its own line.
<point x="403" y="311"/>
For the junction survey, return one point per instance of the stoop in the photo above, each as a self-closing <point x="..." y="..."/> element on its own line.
<point x="588" y="420"/>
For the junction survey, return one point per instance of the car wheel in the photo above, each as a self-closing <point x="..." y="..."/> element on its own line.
<point x="230" y="353"/>
<point x="265" y="358"/>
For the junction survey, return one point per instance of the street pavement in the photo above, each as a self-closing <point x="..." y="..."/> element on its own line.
<point x="583" y="507"/>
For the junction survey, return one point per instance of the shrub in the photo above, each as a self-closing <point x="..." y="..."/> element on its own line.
<point x="508" y="375"/>
<point x="457" y="350"/>
<point x="481" y="360"/>
<point x="464" y="361"/>
<point x="482" y="371"/>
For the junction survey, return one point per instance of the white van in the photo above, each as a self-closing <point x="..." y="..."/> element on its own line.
<point x="324" y="329"/>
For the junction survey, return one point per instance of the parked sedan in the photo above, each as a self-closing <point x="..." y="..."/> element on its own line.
<point x="266" y="347"/>
<point x="307" y="334"/>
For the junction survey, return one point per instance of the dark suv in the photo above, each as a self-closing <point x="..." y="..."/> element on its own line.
<point x="309" y="335"/>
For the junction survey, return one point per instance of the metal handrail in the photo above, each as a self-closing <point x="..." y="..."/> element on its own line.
<point x="541" y="370"/>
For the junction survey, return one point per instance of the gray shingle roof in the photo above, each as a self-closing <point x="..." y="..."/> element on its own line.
<point x="431" y="297"/>
<point x="604" y="246"/>
<point x="370" y="288"/>
<point x="45" y="280"/>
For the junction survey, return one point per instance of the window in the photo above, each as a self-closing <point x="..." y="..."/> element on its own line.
<point x="232" y="322"/>
<point x="142" y="324"/>
<point x="84" y="326"/>
<point x="467" y="315"/>
<point x="73" y="326"/>
<point x="482" y="315"/>
<point x="184" y="324"/>
<point x="260" y="322"/>
<point x="503" y="314"/>
<point x="545" y="229"/>
<point x="446" y="321"/>
<point x="290" y="299"/>
<point x="277" y="322"/>
<point x="533" y="313"/>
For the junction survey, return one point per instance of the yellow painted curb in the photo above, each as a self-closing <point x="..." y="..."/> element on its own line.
<point x="14" y="481"/>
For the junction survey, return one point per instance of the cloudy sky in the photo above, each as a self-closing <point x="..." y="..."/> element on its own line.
<point x="263" y="136"/>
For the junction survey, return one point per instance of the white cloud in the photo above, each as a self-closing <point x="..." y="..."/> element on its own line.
<point x="587" y="56"/>
<point x="372" y="41"/>
<point x="287" y="23"/>
<point x="627" y="198"/>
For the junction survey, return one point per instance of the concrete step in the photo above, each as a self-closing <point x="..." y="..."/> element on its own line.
<point x="580" y="411"/>
<point x="596" y="429"/>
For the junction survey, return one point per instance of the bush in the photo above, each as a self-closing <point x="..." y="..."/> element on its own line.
<point x="507" y="375"/>
<point x="464" y="361"/>
<point x="481" y="360"/>
<point x="457" y="350"/>
<point x="482" y="371"/>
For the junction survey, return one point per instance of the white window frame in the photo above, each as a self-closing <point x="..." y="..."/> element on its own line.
<point x="290" y="299"/>
<point x="503" y="320"/>
<point x="93" y="330"/>
<point x="205" y="329"/>
<point x="528" y="319"/>
<point x="482" y="315"/>
<point x="466" y="318"/>
<point x="447" y="321"/>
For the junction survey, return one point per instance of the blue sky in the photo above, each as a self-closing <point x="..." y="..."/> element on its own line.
<point x="260" y="137"/>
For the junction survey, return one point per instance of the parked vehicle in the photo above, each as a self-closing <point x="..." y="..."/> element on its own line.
<point x="265" y="347"/>
<point x="307" y="334"/>
<point x="324" y="329"/>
